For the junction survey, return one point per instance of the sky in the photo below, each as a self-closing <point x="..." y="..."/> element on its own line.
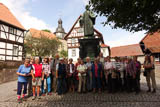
<point x="44" y="14"/>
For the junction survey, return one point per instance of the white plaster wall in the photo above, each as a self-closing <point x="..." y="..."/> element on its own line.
<point x="105" y="52"/>
<point x="12" y="37"/>
<point x="3" y="35"/>
<point x="20" y="40"/>
<point x="70" y="54"/>
<point x="19" y="32"/>
<point x="2" y="51"/>
<point x="2" y="45"/>
<point x="9" y="46"/>
<point x="8" y="58"/>
<point x="6" y="28"/>
<point x="9" y="52"/>
<point x="2" y="57"/>
<point x="141" y="59"/>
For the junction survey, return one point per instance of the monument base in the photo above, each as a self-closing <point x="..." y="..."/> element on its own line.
<point x="89" y="47"/>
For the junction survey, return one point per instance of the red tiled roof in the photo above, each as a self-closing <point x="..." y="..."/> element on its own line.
<point x="152" y="42"/>
<point x="7" y="17"/>
<point x="38" y="33"/>
<point x="104" y="46"/>
<point x="128" y="50"/>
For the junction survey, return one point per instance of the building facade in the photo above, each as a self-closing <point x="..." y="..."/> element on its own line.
<point x="150" y="44"/>
<point x="128" y="51"/>
<point x="77" y="32"/>
<point x="11" y="36"/>
<point x="60" y="34"/>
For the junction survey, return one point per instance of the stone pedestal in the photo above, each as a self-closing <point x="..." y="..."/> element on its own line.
<point x="89" y="47"/>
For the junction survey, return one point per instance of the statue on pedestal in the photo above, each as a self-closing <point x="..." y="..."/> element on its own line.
<point x="87" y="21"/>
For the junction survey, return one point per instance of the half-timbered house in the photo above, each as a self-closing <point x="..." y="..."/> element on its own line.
<point x="77" y="32"/>
<point x="11" y="36"/>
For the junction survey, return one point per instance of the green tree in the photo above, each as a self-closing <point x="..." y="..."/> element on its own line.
<point x="64" y="53"/>
<point x="42" y="46"/>
<point x="46" y="30"/>
<point x="132" y="15"/>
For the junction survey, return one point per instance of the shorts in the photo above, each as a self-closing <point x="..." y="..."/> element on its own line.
<point x="37" y="82"/>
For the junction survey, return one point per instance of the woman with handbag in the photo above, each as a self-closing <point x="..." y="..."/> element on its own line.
<point x="150" y="73"/>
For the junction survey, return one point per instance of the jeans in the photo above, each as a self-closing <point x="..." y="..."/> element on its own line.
<point x="48" y="82"/>
<point x="61" y="86"/>
<point x="19" y="88"/>
<point x="89" y="81"/>
<point x="30" y="85"/>
<point x="96" y="82"/>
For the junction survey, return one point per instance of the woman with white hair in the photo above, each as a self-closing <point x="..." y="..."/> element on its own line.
<point x="37" y="77"/>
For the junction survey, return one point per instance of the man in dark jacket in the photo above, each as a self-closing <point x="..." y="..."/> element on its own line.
<point x="61" y="75"/>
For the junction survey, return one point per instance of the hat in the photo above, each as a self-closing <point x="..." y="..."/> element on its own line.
<point x="45" y="57"/>
<point x="60" y="58"/>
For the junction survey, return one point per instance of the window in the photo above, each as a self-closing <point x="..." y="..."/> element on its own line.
<point x="80" y="30"/>
<point x="15" y="50"/>
<point x="73" y="40"/>
<point x="15" y="31"/>
<point x="73" y="52"/>
<point x="11" y="30"/>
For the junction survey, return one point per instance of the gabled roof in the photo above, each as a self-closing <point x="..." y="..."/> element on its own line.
<point x="7" y="17"/>
<point x="152" y="42"/>
<point x="128" y="50"/>
<point x="38" y="33"/>
<point x="99" y="34"/>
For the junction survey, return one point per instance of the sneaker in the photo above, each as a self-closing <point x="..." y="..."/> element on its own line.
<point x="34" y="97"/>
<point x="19" y="100"/>
<point x="24" y="99"/>
<point x="43" y="94"/>
<point x="50" y="93"/>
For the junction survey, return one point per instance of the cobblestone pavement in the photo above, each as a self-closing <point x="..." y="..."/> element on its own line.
<point x="8" y="98"/>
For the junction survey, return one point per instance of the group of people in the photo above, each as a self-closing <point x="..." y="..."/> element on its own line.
<point x="62" y="75"/>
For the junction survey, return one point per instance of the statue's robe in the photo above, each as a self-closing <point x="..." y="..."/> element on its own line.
<point x="88" y="20"/>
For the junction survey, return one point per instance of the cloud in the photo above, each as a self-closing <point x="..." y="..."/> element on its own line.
<point x="85" y="2"/>
<point x="17" y="7"/>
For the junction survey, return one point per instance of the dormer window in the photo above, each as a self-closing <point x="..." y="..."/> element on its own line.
<point x="11" y="30"/>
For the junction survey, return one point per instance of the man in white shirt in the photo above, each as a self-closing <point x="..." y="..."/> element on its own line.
<point x="109" y="68"/>
<point x="82" y="76"/>
<point x="89" y="73"/>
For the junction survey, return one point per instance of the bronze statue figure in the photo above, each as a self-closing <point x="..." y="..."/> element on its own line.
<point x="87" y="21"/>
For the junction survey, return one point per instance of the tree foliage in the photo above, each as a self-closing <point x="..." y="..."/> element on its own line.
<point x="64" y="53"/>
<point x="46" y="30"/>
<point x="41" y="46"/>
<point x="132" y="15"/>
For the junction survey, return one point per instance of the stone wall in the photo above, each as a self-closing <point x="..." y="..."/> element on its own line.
<point x="8" y="70"/>
<point x="7" y="75"/>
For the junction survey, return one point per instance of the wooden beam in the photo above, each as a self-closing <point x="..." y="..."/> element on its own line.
<point x="10" y="41"/>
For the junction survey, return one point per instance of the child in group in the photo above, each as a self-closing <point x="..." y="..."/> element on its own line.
<point x="23" y="72"/>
